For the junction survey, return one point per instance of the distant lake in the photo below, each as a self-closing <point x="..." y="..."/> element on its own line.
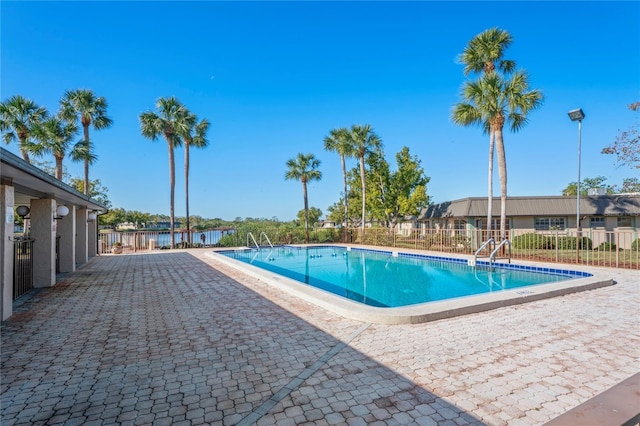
<point x="163" y="238"/>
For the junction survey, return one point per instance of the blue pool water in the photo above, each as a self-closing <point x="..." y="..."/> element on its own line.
<point x="380" y="278"/>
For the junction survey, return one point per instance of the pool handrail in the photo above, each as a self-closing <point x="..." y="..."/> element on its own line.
<point x="254" y="240"/>
<point x="486" y="243"/>
<point x="266" y="237"/>
<point x="492" y="257"/>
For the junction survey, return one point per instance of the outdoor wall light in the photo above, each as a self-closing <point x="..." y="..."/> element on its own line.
<point x="92" y="217"/>
<point x="61" y="212"/>
<point x="23" y="211"/>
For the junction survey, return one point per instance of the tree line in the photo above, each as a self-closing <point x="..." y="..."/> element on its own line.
<point x="37" y="132"/>
<point x="498" y="96"/>
<point x="384" y="196"/>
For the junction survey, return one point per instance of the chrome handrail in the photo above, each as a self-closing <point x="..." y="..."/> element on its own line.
<point x="254" y="240"/>
<point x="486" y="243"/>
<point x="492" y="257"/>
<point x="266" y="237"/>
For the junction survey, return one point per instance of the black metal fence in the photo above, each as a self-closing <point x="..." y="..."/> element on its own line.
<point x="22" y="266"/>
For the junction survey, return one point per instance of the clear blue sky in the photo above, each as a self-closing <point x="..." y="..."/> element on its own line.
<point x="274" y="78"/>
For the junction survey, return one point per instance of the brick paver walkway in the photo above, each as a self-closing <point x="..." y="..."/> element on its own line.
<point x="174" y="338"/>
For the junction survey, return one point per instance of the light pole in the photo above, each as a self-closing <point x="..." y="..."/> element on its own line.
<point x="578" y="115"/>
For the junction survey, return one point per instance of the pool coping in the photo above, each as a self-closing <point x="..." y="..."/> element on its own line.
<point x="423" y="312"/>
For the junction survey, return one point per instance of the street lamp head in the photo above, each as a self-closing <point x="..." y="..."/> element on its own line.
<point x="576" y="114"/>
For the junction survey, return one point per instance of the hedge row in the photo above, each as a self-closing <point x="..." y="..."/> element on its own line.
<point x="545" y="242"/>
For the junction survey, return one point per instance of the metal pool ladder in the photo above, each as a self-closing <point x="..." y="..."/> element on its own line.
<point x="492" y="256"/>
<point x="482" y="247"/>
<point x="255" y="242"/>
<point x="266" y="238"/>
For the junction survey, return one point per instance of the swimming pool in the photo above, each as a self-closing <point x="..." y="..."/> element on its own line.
<point x="398" y="287"/>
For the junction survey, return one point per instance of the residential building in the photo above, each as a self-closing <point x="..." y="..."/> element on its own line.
<point x="603" y="218"/>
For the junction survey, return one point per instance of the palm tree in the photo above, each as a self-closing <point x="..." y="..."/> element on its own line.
<point x="90" y="109"/>
<point x="363" y="141"/>
<point x="55" y="136"/>
<point x="198" y="140"/>
<point x="305" y="169"/>
<point x="492" y="102"/>
<point x="338" y="141"/>
<point x="171" y="121"/>
<point x="18" y="119"/>
<point x="484" y="54"/>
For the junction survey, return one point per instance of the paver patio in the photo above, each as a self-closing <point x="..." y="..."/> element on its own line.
<point x="176" y="338"/>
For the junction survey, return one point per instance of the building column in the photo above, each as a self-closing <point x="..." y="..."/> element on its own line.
<point x="43" y="231"/>
<point x="82" y="256"/>
<point x="92" y="238"/>
<point x="6" y="250"/>
<point x="67" y="247"/>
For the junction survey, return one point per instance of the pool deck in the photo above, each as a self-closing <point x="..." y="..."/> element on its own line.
<point x="180" y="338"/>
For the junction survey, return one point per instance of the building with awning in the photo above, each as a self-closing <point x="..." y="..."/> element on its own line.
<point x="62" y="231"/>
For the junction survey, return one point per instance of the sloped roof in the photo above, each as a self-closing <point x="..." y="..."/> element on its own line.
<point x="31" y="182"/>
<point x="596" y="205"/>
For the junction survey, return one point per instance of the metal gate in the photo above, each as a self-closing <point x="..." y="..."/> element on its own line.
<point x="22" y="266"/>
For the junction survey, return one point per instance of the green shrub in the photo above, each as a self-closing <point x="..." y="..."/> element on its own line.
<point x="607" y="246"/>
<point x="228" y="240"/>
<point x="533" y="241"/>
<point x="327" y="235"/>
<point x="569" y="243"/>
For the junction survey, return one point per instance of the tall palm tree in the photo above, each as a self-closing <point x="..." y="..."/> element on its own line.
<point x="90" y="109"/>
<point x="18" y="119"/>
<point x="171" y="121"/>
<point x="55" y="135"/>
<point x="481" y="55"/>
<point x="305" y="169"/>
<point x="485" y="52"/>
<point x="196" y="136"/>
<point x="363" y="141"/>
<point x="338" y="141"/>
<point x="492" y="102"/>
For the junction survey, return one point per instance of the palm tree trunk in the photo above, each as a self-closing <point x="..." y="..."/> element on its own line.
<point x="86" y="160"/>
<point x="172" y="180"/>
<point x="25" y="154"/>
<point x="502" y="172"/>
<point x="306" y="211"/>
<point x="490" y="185"/>
<point x="22" y="137"/>
<point x="346" y="196"/>
<point x="186" y="186"/>
<point x="58" y="167"/>
<point x="363" y="180"/>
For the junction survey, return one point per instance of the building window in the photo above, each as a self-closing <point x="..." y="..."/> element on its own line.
<point x="459" y="224"/>
<point x="548" y="223"/>
<point x="482" y="224"/>
<point x="625" y="222"/>
<point x="596" y="222"/>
